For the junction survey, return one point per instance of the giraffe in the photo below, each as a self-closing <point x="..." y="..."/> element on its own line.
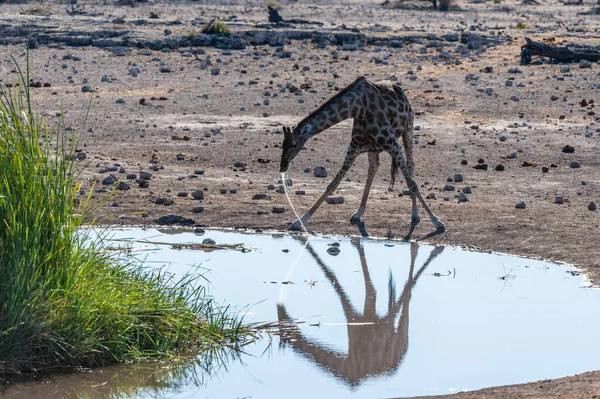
<point x="382" y="116"/>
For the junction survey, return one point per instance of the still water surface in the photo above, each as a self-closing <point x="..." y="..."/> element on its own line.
<point x="381" y="319"/>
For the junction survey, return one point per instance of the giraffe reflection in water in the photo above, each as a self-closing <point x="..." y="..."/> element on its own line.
<point x="376" y="344"/>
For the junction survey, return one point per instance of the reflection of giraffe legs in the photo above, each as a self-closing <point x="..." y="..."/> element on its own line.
<point x="376" y="344"/>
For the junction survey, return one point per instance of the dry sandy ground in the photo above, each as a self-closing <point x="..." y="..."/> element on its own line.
<point x="227" y="121"/>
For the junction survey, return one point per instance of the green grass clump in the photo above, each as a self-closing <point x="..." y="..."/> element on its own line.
<point x="64" y="300"/>
<point x="216" y="28"/>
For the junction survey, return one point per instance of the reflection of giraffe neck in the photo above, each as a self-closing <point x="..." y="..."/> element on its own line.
<point x="346" y="104"/>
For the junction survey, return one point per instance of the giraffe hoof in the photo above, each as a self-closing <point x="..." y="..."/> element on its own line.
<point x="355" y="219"/>
<point x="296" y="226"/>
<point x="439" y="226"/>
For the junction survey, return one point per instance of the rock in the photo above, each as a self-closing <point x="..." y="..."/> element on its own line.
<point x="464" y="162"/>
<point x="334" y="251"/>
<point x="87" y="89"/>
<point x="198" y="209"/>
<point x="448" y="187"/>
<point x="143" y="183"/>
<point x="215" y="71"/>
<point x="585" y="64"/>
<point x="209" y="241"/>
<point x="199" y="172"/>
<point x="122" y="186"/>
<point x="164" y="69"/>
<point x="199" y="231"/>
<point x="565" y="69"/>
<point x="131" y="176"/>
<point x="514" y="70"/>
<point x="145" y="175"/>
<point x="223" y="190"/>
<point x="466" y="190"/>
<point x="300" y="192"/>
<point x="462" y="197"/>
<point x="334" y="200"/>
<point x="277" y="209"/>
<point x="520" y="205"/>
<point x="575" y="165"/>
<point x="198" y="195"/>
<point x="259" y="196"/>
<point x="174" y="219"/>
<point x="559" y="200"/>
<point x="499" y="168"/>
<point x="109" y="180"/>
<point x="481" y="166"/>
<point x="458" y="177"/>
<point x="182" y="194"/>
<point x="120" y="101"/>
<point x="568" y="149"/>
<point x="554" y="98"/>
<point x="167" y="202"/>
<point x="320" y="171"/>
<point x="545" y="169"/>
<point x="592" y="206"/>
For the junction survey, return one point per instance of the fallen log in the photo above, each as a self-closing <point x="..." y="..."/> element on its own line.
<point x="571" y="52"/>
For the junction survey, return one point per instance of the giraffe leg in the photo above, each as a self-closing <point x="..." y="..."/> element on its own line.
<point x="350" y="158"/>
<point x="407" y="137"/>
<point x="373" y="166"/>
<point x="397" y="156"/>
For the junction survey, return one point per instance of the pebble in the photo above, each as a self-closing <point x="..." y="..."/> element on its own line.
<point x="462" y="197"/>
<point x="559" y="200"/>
<point x="199" y="231"/>
<point x="520" y="205"/>
<point x="592" y="206"/>
<point x="334" y="200"/>
<point x="198" y="209"/>
<point x="209" y="241"/>
<point x="182" y="194"/>
<point x="164" y="69"/>
<point x="87" y="89"/>
<point x="499" y="168"/>
<point x="467" y="190"/>
<point x="458" y="177"/>
<point x="565" y="69"/>
<point x="568" y="149"/>
<point x="123" y="186"/>
<point x="259" y="196"/>
<point x="575" y="165"/>
<point x="145" y="175"/>
<point x="278" y="209"/>
<point x="109" y="180"/>
<point x="448" y="187"/>
<point x="585" y="64"/>
<point x="320" y="171"/>
<point x="334" y="251"/>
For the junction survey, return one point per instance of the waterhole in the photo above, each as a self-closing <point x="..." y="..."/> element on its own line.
<point x="368" y="319"/>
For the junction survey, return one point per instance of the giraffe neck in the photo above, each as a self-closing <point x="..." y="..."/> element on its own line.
<point x="346" y="104"/>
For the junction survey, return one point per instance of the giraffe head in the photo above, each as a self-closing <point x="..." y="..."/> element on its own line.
<point x="293" y="142"/>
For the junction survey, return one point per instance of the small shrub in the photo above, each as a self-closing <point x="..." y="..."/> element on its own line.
<point x="520" y="25"/>
<point x="216" y="28"/>
<point x="497" y="1"/>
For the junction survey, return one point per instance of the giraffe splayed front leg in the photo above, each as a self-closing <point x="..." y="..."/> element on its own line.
<point x="373" y="166"/>
<point x="350" y="158"/>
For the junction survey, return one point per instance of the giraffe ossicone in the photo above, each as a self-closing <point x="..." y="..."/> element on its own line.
<point x="382" y="117"/>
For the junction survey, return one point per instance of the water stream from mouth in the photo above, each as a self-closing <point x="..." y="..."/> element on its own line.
<point x="284" y="180"/>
